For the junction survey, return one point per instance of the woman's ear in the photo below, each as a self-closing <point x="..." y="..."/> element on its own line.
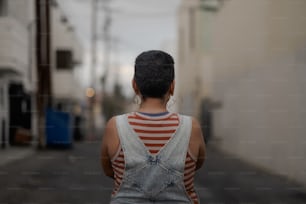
<point x="172" y="86"/>
<point x="135" y="87"/>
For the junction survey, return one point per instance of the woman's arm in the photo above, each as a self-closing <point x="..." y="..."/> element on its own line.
<point x="110" y="143"/>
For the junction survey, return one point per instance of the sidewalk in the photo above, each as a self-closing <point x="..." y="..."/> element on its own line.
<point x="11" y="154"/>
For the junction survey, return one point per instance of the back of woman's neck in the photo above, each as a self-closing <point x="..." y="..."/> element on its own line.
<point x="152" y="105"/>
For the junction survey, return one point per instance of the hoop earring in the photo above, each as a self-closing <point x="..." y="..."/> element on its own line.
<point x="171" y="102"/>
<point x="137" y="100"/>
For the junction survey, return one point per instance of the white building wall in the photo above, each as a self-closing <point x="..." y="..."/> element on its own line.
<point x="23" y="11"/>
<point x="17" y="61"/>
<point x="259" y="75"/>
<point x="65" y="84"/>
<point x="21" y="18"/>
<point x="14" y="46"/>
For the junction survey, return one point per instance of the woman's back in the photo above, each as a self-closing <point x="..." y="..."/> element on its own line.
<point x="155" y="131"/>
<point x="155" y="177"/>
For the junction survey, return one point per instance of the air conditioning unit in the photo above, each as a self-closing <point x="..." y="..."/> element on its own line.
<point x="211" y="5"/>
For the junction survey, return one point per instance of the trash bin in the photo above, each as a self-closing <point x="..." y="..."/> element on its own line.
<point x="58" y="129"/>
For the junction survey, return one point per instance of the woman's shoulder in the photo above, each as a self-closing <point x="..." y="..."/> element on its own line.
<point x="195" y="121"/>
<point x="113" y="119"/>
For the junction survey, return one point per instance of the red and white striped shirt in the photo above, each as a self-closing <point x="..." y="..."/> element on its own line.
<point x="155" y="130"/>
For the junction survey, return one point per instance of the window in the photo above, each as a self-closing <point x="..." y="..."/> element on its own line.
<point x="64" y="59"/>
<point x="3" y="7"/>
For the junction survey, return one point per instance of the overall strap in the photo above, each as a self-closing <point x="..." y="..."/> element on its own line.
<point x="133" y="148"/>
<point x="176" y="149"/>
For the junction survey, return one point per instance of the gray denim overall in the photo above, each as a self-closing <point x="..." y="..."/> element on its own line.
<point x="153" y="179"/>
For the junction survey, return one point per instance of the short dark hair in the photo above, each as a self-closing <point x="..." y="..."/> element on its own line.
<point x="154" y="73"/>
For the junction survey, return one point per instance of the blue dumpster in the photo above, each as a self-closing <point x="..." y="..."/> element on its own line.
<point x="58" y="129"/>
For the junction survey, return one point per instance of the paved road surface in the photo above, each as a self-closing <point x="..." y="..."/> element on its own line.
<point x="74" y="177"/>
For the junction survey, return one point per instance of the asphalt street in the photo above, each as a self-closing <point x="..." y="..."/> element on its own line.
<point x="74" y="176"/>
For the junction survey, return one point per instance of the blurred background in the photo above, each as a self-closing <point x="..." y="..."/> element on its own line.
<point x="66" y="67"/>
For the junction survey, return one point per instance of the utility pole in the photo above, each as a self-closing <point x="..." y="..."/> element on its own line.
<point x="107" y="49"/>
<point x="106" y="40"/>
<point x="94" y="43"/>
<point x="94" y="28"/>
<point x="91" y="92"/>
<point x="43" y="41"/>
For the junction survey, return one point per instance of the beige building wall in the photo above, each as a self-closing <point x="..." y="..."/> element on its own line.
<point x="195" y="60"/>
<point x="189" y="74"/>
<point x="259" y="50"/>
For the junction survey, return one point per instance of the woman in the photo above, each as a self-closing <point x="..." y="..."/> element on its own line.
<point x="152" y="154"/>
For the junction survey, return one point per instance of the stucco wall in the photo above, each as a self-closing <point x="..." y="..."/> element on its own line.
<point x="259" y="75"/>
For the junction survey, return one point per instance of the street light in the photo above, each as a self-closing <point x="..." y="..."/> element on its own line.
<point x="90" y="92"/>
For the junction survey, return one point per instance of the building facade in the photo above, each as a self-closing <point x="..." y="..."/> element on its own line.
<point x="259" y="71"/>
<point x="257" y="62"/>
<point x="18" y="72"/>
<point x="67" y="56"/>
<point x="66" y="59"/>
<point x="194" y="72"/>
<point x="17" y="86"/>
